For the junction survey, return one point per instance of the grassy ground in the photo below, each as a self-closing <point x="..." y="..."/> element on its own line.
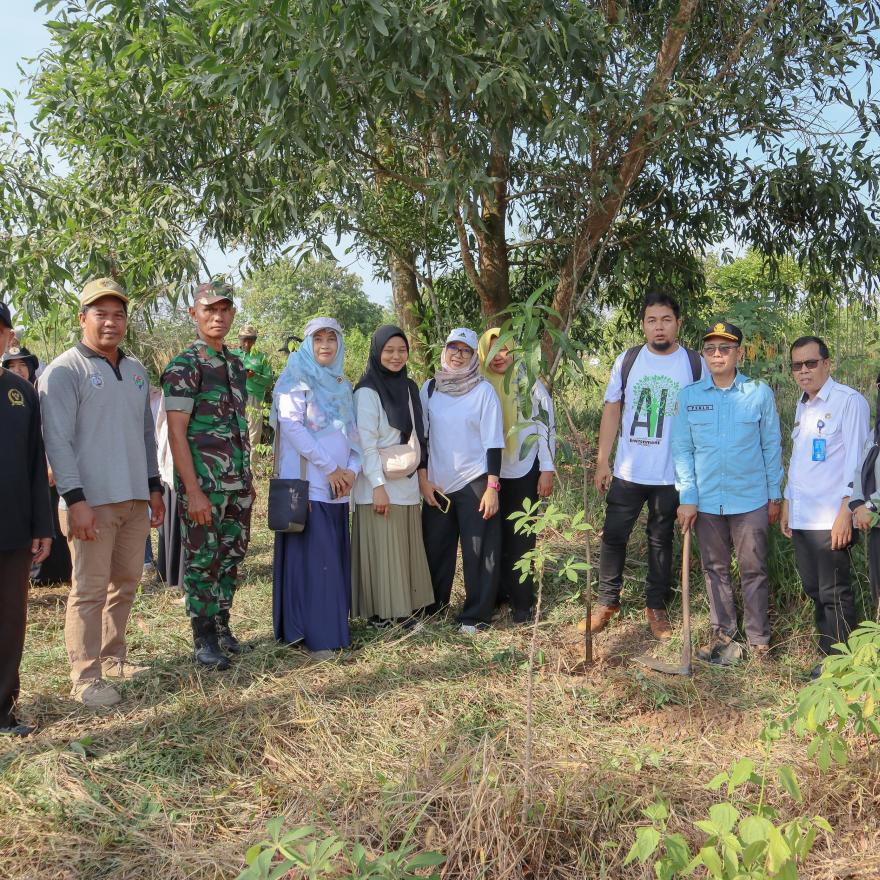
<point x="419" y="734"/>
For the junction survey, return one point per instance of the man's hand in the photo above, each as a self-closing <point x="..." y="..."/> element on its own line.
<point x="774" y="508"/>
<point x="602" y="477"/>
<point x="687" y="516"/>
<point x="50" y="475"/>
<point x="863" y="518"/>
<point x="381" y="501"/>
<point x="250" y="374"/>
<point x="841" y="531"/>
<point x="82" y="522"/>
<point x="545" y="484"/>
<point x="427" y="488"/>
<point x="783" y="520"/>
<point x="198" y="508"/>
<point x="40" y="548"/>
<point x="157" y="510"/>
<point x="489" y="503"/>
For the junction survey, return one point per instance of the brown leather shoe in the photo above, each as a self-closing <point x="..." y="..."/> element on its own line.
<point x="658" y="620"/>
<point x="599" y="619"/>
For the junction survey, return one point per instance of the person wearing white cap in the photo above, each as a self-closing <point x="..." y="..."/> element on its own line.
<point x="465" y="433"/>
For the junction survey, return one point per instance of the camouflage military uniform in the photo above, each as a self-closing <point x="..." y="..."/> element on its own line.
<point x="211" y="386"/>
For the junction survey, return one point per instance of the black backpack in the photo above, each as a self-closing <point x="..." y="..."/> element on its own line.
<point x="629" y="359"/>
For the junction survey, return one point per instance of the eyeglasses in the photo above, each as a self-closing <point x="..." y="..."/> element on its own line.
<point x="811" y="364"/>
<point x="724" y="348"/>
<point x="458" y="349"/>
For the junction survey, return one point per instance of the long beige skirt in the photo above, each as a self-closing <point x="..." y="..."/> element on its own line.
<point x="389" y="569"/>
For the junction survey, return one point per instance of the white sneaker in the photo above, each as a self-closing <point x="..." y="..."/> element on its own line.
<point x="467" y="630"/>
<point x="321" y="656"/>
<point x="95" y="694"/>
<point x="114" y="668"/>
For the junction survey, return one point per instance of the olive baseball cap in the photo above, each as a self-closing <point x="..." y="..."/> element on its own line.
<point x="213" y="291"/>
<point x="100" y="287"/>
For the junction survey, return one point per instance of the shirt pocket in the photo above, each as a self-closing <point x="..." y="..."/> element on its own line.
<point x="702" y="425"/>
<point x="746" y="428"/>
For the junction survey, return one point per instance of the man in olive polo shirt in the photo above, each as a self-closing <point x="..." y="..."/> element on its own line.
<point x="259" y="378"/>
<point x="101" y="445"/>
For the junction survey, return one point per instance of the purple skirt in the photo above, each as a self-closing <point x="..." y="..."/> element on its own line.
<point x="311" y="580"/>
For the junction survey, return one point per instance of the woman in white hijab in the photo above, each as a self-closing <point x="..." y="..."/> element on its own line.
<point x="313" y="411"/>
<point x="465" y="433"/>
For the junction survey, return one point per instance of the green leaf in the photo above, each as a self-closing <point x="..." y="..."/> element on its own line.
<point x="789" y="783"/>
<point x="647" y="840"/>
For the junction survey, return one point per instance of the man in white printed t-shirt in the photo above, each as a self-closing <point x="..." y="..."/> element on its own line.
<point x="643" y="390"/>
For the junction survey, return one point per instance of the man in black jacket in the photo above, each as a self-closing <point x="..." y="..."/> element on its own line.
<point x="25" y="521"/>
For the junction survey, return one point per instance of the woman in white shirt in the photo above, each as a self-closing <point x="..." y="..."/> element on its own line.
<point x="465" y="435"/>
<point x="526" y="465"/>
<point x="313" y="410"/>
<point x="390" y="577"/>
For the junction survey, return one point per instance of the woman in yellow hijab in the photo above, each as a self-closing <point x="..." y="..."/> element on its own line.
<point x="527" y="468"/>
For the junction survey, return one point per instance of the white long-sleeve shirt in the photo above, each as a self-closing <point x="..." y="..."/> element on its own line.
<point x="323" y="454"/>
<point x="518" y="465"/>
<point x="819" y="481"/>
<point x="376" y="434"/>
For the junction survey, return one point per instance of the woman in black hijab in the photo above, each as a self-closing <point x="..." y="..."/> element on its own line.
<point x="390" y="577"/>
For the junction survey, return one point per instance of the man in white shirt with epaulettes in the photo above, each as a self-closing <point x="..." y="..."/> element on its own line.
<point x="831" y="425"/>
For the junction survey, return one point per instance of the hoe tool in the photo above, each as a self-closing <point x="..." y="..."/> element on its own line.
<point x="684" y="668"/>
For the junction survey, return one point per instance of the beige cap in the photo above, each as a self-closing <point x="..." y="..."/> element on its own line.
<point x="248" y="331"/>
<point x="100" y="287"/>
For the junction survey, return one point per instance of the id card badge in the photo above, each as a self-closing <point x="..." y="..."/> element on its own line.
<point x="819" y="449"/>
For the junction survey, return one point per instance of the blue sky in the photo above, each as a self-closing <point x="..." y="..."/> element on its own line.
<point x="23" y="35"/>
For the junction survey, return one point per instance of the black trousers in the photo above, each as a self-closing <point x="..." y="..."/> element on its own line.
<point x="624" y="503"/>
<point x="520" y="595"/>
<point x="874" y="568"/>
<point x="15" y="566"/>
<point x="480" y="552"/>
<point x="825" y="574"/>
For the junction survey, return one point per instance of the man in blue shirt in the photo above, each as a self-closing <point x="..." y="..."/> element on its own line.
<point x="728" y="468"/>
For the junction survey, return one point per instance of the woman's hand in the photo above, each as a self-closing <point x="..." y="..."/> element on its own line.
<point x="381" y="502"/>
<point x="863" y="518"/>
<point x="489" y="503"/>
<point x="545" y="484"/>
<point x="339" y="482"/>
<point x="427" y="488"/>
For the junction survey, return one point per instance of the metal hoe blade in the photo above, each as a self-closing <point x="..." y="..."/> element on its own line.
<point x="684" y="668"/>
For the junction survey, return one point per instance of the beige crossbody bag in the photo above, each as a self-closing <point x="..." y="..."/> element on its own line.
<point x="402" y="459"/>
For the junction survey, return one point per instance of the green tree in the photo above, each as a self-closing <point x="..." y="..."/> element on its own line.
<point x="608" y="139"/>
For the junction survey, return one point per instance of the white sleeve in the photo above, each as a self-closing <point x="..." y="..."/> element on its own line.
<point x="614" y="389"/>
<point x="546" y="433"/>
<point x="491" y="420"/>
<point x="856" y="428"/>
<point x="367" y="407"/>
<point x="291" y="421"/>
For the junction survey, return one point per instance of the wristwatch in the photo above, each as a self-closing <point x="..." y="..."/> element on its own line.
<point x="871" y="506"/>
<point x="494" y="484"/>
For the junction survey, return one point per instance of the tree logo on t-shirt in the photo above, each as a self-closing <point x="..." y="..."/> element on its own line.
<point x="656" y="397"/>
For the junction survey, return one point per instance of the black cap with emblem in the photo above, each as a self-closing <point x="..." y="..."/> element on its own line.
<point x="724" y="330"/>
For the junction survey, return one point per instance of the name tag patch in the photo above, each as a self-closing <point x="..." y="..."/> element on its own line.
<point x="819" y="449"/>
<point x="700" y="407"/>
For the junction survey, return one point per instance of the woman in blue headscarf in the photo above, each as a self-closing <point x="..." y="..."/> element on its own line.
<point x="313" y="413"/>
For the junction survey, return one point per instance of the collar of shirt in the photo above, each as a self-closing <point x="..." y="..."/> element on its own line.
<point x="85" y="351"/>
<point x="708" y="382"/>
<point x="823" y="393"/>
<point x="211" y="353"/>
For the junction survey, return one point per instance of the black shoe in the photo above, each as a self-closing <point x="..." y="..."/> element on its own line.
<point x="816" y="672"/>
<point x="380" y="623"/>
<point x="207" y="650"/>
<point x="522" y="617"/>
<point x="225" y="638"/>
<point x="16" y="728"/>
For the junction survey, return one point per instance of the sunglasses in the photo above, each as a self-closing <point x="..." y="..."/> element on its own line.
<point x="811" y="364"/>
<point x="724" y="348"/>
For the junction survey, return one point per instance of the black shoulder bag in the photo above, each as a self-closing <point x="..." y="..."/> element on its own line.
<point x="288" y="498"/>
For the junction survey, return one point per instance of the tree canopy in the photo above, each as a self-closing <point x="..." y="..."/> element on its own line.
<point x="606" y="141"/>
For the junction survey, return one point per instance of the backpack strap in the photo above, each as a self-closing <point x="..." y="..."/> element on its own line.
<point x="629" y="358"/>
<point x="432" y="384"/>
<point x="696" y="363"/>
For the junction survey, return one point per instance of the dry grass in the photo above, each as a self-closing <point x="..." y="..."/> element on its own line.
<point x="422" y="733"/>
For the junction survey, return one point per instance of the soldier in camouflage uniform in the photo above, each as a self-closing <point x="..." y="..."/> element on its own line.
<point x="259" y="378"/>
<point x="205" y="399"/>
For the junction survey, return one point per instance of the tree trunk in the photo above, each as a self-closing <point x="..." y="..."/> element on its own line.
<point x="492" y="236"/>
<point x="405" y="298"/>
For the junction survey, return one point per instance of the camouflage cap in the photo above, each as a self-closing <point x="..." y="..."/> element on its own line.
<point x="213" y="291"/>
<point x="101" y="287"/>
<point x="248" y="331"/>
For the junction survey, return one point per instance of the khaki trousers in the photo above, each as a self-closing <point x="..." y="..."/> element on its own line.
<point x="106" y="573"/>
<point x="254" y="413"/>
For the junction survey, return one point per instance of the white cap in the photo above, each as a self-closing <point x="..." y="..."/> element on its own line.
<point x="462" y="334"/>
